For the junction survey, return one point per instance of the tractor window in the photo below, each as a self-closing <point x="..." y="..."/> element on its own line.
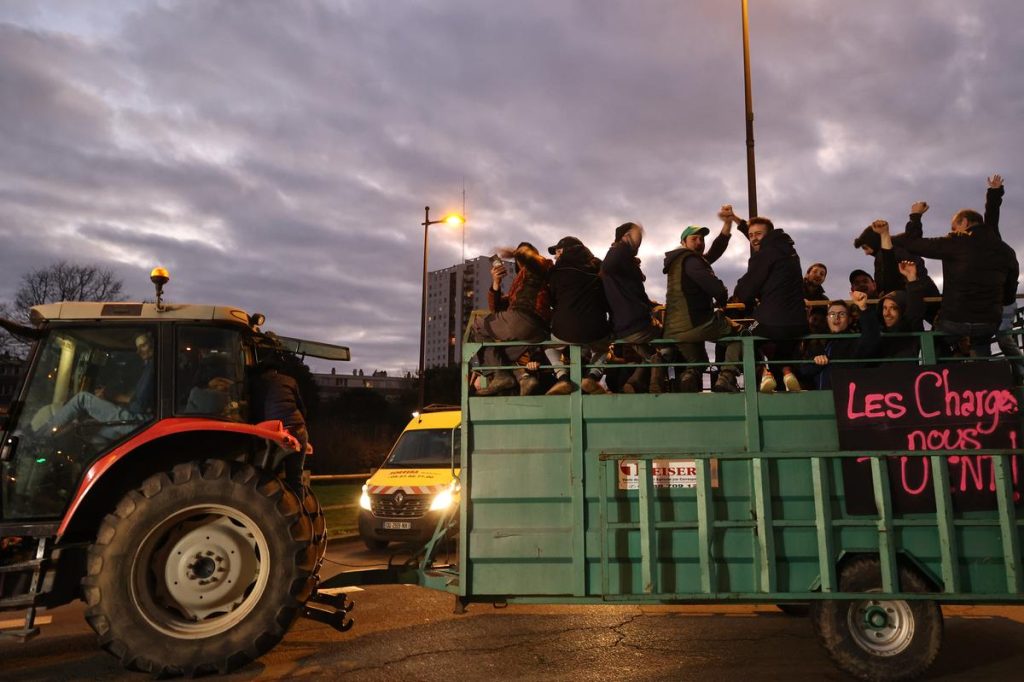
<point x="210" y="372"/>
<point x="91" y="388"/>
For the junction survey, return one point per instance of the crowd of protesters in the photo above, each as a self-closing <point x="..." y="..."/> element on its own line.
<point x="602" y="306"/>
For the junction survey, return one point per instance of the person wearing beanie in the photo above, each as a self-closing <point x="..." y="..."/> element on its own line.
<point x="630" y="307"/>
<point x="886" y="258"/>
<point x="902" y="313"/>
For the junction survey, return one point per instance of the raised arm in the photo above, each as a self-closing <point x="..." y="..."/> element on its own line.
<point x="870" y="327"/>
<point x="993" y="200"/>
<point x="721" y="242"/>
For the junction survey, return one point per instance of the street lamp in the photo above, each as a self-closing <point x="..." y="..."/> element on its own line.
<point x="450" y="219"/>
<point x="748" y="101"/>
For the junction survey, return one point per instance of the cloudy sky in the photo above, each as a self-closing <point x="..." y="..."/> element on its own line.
<point x="277" y="155"/>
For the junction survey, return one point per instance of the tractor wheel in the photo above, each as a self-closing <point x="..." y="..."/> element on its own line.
<point x="879" y="639"/>
<point x="202" y="569"/>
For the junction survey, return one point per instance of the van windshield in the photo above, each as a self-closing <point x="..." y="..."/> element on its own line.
<point x="424" y="448"/>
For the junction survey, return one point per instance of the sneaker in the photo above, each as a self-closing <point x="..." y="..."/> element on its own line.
<point x="562" y="387"/>
<point x="768" y="384"/>
<point x="497" y="384"/>
<point x="528" y="385"/>
<point x="791" y="382"/>
<point x="593" y="386"/>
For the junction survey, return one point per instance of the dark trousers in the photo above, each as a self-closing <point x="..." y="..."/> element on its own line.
<point x="980" y="334"/>
<point x="782" y="345"/>
<point x="295" y="462"/>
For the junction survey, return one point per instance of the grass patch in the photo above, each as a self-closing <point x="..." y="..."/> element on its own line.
<point x="330" y="494"/>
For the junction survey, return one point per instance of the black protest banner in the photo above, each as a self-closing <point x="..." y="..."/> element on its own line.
<point x="964" y="406"/>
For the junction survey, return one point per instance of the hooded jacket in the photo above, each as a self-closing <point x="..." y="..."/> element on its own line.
<point x="624" y="288"/>
<point x="580" y="309"/>
<point x="912" y="311"/>
<point x="774" y="281"/>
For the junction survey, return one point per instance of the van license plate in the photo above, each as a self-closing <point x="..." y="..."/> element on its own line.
<point x="397" y="525"/>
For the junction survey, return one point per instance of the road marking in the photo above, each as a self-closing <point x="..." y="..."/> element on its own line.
<point x="20" y="622"/>
<point x="340" y="590"/>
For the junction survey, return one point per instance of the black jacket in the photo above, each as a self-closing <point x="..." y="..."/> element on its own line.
<point x="624" y="288"/>
<point x="577" y="297"/>
<point x="864" y="346"/>
<point x="887" y="272"/>
<point x="912" y="315"/>
<point x="774" y="281"/>
<point x="993" y="200"/>
<point x="978" y="270"/>
<point x="276" y="396"/>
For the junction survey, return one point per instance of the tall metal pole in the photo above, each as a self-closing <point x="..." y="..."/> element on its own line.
<point x="423" y="308"/>
<point x="751" y="178"/>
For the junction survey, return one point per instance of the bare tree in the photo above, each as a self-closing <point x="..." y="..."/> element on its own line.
<point x="64" y="281"/>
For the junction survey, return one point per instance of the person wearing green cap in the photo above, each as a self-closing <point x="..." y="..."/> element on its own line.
<point x="692" y="303"/>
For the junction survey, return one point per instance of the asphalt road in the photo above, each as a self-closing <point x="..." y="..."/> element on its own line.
<point x="409" y="633"/>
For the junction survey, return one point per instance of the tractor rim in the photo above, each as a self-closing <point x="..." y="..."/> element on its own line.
<point x="200" y="572"/>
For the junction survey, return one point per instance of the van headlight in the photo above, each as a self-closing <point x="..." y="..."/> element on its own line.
<point x="442" y="500"/>
<point x="364" y="500"/>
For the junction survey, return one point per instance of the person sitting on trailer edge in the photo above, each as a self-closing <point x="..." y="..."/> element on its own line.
<point x="521" y="315"/>
<point x="774" y="283"/>
<point x="579" y="312"/>
<point x="694" y="292"/>
<point x="631" y="309"/>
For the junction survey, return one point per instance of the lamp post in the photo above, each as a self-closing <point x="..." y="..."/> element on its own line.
<point x="751" y="182"/>
<point x="450" y="219"/>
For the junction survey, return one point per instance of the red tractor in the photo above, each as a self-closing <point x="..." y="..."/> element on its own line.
<point x="131" y="478"/>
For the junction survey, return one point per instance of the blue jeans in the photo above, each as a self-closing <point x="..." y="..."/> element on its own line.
<point x="1007" y="344"/>
<point x="86" y="404"/>
<point x="598" y="351"/>
<point x="980" y="334"/>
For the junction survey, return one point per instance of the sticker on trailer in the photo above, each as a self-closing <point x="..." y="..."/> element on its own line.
<point x="681" y="473"/>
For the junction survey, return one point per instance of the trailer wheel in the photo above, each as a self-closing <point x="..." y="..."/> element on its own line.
<point x="879" y="639"/>
<point x="202" y="569"/>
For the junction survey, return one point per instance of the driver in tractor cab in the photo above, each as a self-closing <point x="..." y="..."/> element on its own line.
<point x="130" y="409"/>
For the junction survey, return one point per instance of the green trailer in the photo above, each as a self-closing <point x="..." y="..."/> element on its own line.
<point x="746" y="498"/>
